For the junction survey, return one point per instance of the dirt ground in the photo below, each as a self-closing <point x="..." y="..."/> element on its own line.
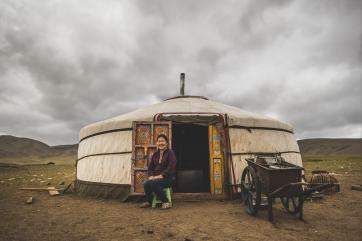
<point x="71" y="217"/>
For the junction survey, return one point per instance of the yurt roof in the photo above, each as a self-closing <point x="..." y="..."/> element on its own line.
<point x="189" y="104"/>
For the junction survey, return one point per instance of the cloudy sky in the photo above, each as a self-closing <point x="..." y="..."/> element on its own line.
<point x="65" y="64"/>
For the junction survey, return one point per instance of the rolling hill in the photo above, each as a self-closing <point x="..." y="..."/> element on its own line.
<point x="20" y="150"/>
<point x="330" y="147"/>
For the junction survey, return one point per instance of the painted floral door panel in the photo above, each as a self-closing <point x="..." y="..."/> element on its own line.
<point x="216" y="161"/>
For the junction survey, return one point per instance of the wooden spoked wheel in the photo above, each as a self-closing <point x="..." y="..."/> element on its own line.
<point x="293" y="205"/>
<point x="250" y="190"/>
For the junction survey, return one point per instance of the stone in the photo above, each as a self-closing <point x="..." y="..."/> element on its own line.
<point x="53" y="193"/>
<point x="29" y="200"/>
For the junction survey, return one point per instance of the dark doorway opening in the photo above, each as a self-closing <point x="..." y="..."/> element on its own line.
<point x="190" y="143"/>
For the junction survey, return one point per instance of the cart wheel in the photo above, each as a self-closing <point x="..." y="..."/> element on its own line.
<point x="250" y="190"/>
<point x="293" y="205"/>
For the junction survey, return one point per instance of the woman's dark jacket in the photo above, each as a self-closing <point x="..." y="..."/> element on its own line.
<point x="167" y="167"/>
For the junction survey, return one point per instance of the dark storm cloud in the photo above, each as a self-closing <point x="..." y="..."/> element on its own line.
<point x="64" y="64"/>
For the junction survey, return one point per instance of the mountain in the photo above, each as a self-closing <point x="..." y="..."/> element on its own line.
<point x="11" y="146"/>
<point x="22" y="150"/>
<point x="331" y="147"/>
<point x="67" y="149"/>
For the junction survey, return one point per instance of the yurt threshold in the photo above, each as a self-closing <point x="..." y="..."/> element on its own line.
<point x="198" y="141"/>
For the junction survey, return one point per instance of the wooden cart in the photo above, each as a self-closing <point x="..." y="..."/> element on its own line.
<point x="270" y="178"/>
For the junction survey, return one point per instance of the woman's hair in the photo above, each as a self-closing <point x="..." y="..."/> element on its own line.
<point x="162" y="136"/>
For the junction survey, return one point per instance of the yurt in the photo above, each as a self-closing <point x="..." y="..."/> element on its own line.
<point x="211" y="141"/>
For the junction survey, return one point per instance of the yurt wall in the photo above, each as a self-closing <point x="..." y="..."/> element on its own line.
<point x="106" y="158"/>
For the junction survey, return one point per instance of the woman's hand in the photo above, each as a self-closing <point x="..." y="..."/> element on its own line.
<point x="145" y="147"/>
<point x="155" y="177"/>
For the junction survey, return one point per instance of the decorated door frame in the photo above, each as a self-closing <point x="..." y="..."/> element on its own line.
<point x="217" y="171"/>
<point x="145" y="133"/>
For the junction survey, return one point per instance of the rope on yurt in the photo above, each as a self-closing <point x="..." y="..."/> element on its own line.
<point x="105" y="132"/>
<point x="249" y="128"/>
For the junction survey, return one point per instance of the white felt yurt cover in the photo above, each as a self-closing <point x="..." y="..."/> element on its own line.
<point x="259" y="134"/>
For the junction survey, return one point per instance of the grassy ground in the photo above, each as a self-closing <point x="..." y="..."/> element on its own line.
<point x="345" y="166"/>
<point x="37" y="176"/>
<point x="36" y="160"/>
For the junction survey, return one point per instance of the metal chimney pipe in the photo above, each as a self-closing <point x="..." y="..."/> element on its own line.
<point x="182" y="84"/>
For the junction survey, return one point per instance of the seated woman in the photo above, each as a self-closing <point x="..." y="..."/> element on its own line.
<point x="161" y="171"/>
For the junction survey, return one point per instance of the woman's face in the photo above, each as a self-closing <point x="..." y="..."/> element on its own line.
<point x="161" y="143"/>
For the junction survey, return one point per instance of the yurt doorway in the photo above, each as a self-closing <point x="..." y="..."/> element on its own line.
<point x="190" y="143"/>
